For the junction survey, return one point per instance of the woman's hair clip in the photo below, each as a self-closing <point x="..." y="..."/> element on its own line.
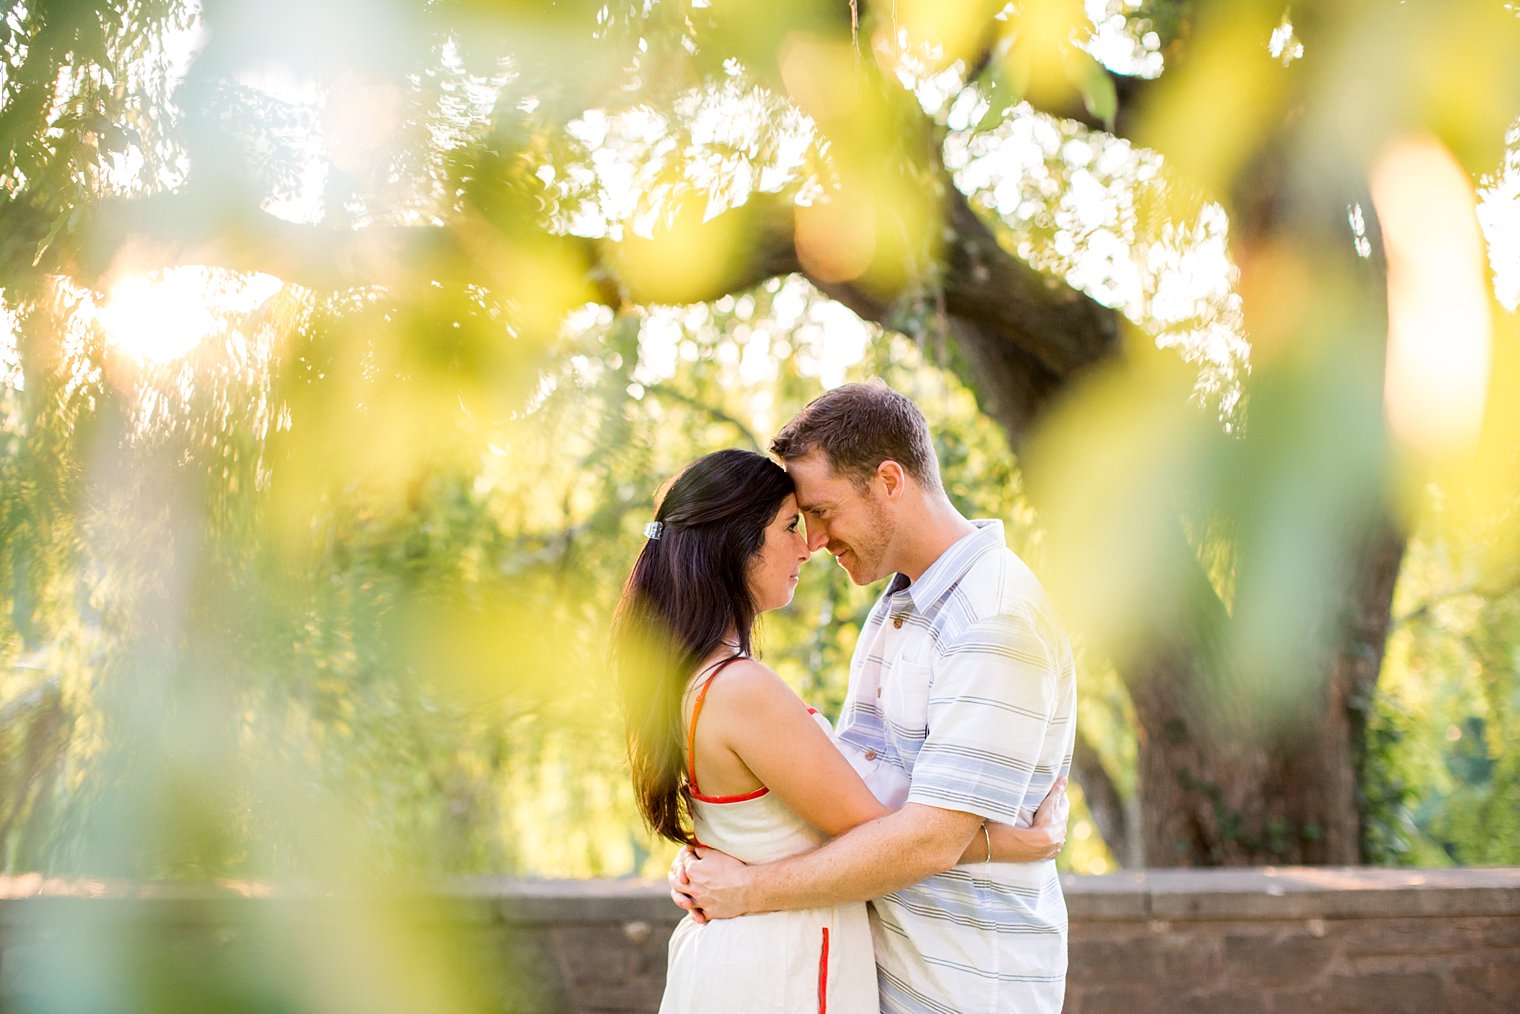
<point x="654" y="529"/>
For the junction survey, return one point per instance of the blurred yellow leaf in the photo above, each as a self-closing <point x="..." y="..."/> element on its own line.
<point x="1042" y="58"/>
<point x="1109" y="470"/>
<point x="941" y="32"/>
<point x="686" y="256"/>
<point x="836" y="238"/>
<point x="1204" y="139"/>
<point x="824" y="77"/>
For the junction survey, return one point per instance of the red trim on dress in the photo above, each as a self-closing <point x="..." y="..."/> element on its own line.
<point x="762" y="790"/>
<point x="691" y="747"/>
<point x="823" y="974"/>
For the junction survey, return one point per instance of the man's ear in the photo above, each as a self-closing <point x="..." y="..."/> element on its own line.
<point x="893" y="478"/>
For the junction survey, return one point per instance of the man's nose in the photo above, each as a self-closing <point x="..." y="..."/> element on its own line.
<point x="817" y="535"/>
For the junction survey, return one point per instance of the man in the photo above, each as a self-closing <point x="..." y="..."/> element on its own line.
<point x="961" y="709"/>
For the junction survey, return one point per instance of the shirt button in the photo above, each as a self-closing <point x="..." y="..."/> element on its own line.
<point x="870" y="755"/>
<point x="878" y="691"/>
<point x="897" y="622"/>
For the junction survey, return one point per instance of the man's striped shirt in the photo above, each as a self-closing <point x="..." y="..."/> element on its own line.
<point x="963" y="696"/>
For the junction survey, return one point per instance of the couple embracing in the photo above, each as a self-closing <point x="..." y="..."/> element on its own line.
<point x="940" y="800"/>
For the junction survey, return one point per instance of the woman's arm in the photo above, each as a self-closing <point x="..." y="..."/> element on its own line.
<point x="751" y="712"/>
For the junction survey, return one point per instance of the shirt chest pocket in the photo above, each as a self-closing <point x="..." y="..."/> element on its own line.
<point x="905" y="700"/>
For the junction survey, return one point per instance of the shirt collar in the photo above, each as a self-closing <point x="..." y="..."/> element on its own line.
<point x="952" y="565"/>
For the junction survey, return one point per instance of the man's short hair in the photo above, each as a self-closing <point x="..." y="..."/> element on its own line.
<point x="857" y="427"/>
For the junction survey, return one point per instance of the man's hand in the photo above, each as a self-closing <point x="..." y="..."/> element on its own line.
<point x="678" y="881"/>
<point x="716" y="884"/>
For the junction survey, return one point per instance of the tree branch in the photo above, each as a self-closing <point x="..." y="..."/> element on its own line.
<point x="190" y="226"/>
<point x="1023" y="336"/>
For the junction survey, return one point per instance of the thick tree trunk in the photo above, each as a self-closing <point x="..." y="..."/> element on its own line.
<point x="1198" y="788"/>
<point x="1221" y="791"/>
<point x="1314" y="785"/>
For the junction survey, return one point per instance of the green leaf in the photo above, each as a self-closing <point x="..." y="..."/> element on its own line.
<point x="59" y="224"/>
<point x="1004" y="90"/>
<point x="1096" y="87"/>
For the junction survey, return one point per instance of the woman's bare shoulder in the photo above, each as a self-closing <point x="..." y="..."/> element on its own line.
<point x="749" y="683"/>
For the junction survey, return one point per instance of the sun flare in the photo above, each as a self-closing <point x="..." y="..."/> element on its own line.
<point x="159" y="318"/>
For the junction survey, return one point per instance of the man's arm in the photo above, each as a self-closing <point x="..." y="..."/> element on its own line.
<point x="991" y="706"/>
<point x="876" y="858"/>
<point x="1042" y="840"/>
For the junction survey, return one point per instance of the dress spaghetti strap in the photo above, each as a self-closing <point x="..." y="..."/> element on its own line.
<point x="691" y="740"/>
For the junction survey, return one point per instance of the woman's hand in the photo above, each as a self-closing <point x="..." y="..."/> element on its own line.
<point x="1041" y="840"/>
<point x="680" y="882"/>
<point x="1051" y="816"/>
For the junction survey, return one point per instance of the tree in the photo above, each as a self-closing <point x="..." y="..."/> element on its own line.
<point x="1236" y="559"/>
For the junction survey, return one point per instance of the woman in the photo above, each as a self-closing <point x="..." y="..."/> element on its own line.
<point x="725" y="755"/>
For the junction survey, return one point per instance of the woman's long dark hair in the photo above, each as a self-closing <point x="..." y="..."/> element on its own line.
<point x="687" y="593"/>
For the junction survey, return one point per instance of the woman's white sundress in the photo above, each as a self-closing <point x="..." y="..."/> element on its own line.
<point x="798" y="962"/>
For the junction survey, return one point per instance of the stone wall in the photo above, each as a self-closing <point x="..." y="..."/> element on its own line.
<point x="1301" y="940"/>
<point x="1304" y="940"/>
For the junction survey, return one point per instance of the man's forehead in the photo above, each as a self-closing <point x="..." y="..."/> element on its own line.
<point x="817" y="485"/>
<point x="810" y="471"/>
<point x="813" y="465"/>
